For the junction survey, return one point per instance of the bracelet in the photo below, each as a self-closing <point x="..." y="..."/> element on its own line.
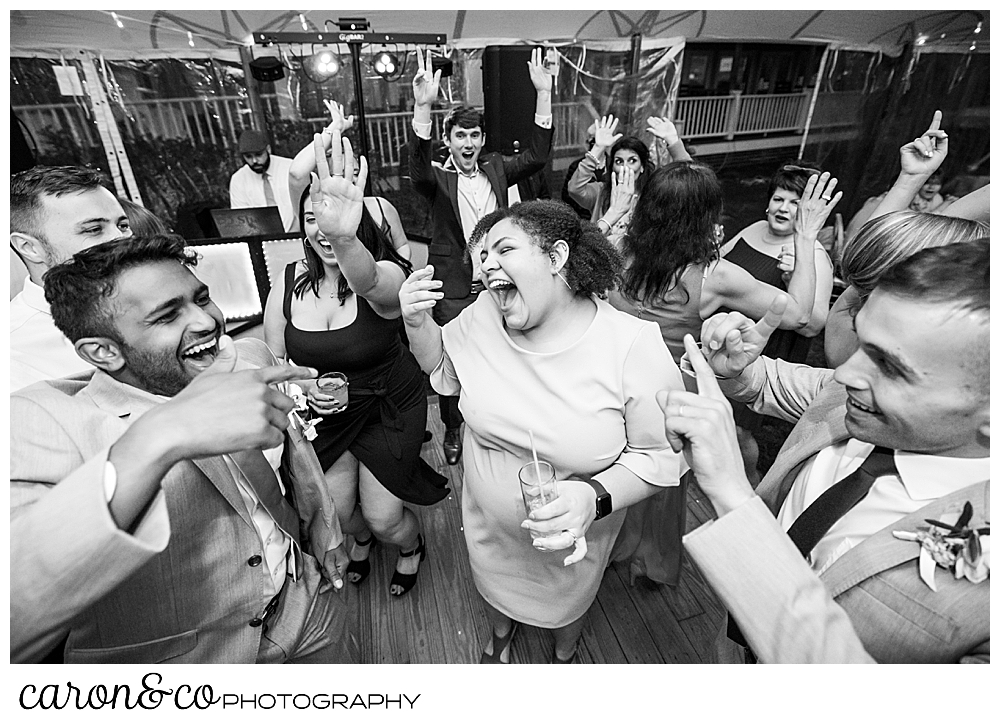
<point x="604" y="221"/>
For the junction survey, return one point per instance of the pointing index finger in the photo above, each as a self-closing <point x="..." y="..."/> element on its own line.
<point x="935" y="121"/>
<point x="284" y="373"/>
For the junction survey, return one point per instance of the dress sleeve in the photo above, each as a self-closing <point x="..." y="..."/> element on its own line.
<point x="648" y="369"/>
<point x="444" y="378"/>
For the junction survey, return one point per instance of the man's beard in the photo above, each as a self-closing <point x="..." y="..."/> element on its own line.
<point x="157" y="372"/>
<point x="260" y="168"/>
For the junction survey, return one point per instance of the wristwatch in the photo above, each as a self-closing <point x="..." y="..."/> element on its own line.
<point x="603" y="502"/>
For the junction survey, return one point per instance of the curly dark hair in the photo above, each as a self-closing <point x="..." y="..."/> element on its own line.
<point x="593" y="265"/>
<point x="77" y="290"/>
<point x="627" y="143"/>
<point x="378" y="244"/>
<point x="673" y="226"/>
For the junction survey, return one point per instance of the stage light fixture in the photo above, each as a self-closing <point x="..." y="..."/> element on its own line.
<point x="386" y="64"/>
<point x="322" y="65"/>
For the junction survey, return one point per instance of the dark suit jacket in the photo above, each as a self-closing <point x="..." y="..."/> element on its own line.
<point x="439" y="185"/>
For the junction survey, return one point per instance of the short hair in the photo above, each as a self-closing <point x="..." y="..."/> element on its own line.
<point x="78" y="289"/>
<point x="957" y="273"/>
<point x="463" y="117"/>
<point x="889" y="239"/>
<point x="28" y="187"/>
<point x="141" y="220"/>
<point x="792" y="177"/>
<point x="593" y="265"/>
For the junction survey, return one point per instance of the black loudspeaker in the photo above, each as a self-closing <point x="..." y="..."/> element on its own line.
<point x="21" y="156"/>
<point x="508" y="97"/>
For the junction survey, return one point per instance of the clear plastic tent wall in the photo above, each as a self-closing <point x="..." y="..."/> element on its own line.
<point x="178" y="119"/>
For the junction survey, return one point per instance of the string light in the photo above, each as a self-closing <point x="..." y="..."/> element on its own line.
<point x="302" y="19"/>
<point x="973" y="46"/>
<point x="979" y="28"/>
<point x="119" y="23"/>
<point x="921" y="40"/>
<point x="190" y="39"/>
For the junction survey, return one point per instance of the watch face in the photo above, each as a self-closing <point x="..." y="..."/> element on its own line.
<point x="603" y="505"/>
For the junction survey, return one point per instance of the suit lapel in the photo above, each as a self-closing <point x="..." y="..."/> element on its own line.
<point x="821" y="425"/>
<point x="491" y="173"/>
<point x="883" y="550"/>
<point x="451" y="178"/>
<point x="262" y="479"/>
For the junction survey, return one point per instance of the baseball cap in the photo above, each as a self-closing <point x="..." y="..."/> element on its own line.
<point x="252" y="141"/>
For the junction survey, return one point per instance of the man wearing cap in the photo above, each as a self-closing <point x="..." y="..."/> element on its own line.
<point x="263" y="181"/>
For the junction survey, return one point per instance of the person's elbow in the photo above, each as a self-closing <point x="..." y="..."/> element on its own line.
<point x="815" y="325"/>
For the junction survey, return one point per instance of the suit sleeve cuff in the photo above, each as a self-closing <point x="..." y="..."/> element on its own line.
<point x="543" y="121"/>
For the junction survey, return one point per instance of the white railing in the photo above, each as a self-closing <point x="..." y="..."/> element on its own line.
<point x="737" y="114"/>
<point x="220" y="119"/>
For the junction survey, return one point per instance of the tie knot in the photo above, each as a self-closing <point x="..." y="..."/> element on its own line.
<point x="879" y="462"/>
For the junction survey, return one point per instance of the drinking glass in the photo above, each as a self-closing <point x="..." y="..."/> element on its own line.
<point x="334" y="383"/>
<point x="538" y="487"/>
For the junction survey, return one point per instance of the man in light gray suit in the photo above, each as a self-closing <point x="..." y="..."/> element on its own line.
<point x="147" y="525"/>
<point x="809" y="566"/>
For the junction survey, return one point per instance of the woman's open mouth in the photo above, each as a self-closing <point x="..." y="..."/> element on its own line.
<point x="504" y="291"/>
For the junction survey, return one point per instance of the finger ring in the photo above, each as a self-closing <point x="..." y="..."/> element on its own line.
<point x="575" y="538"/>
<point x="680" y="411"/>
<point x="825" y="198"/>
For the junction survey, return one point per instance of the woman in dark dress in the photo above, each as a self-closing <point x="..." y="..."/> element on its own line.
<point x="338" y="311"/>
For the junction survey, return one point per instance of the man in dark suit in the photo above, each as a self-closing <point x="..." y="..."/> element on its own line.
<point x="461" y="191"/>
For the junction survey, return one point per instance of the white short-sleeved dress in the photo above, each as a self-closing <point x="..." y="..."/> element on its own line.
<point x="590" y="406"/>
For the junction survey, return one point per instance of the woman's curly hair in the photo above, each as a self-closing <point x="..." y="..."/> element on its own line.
<point x="594" y="264"/>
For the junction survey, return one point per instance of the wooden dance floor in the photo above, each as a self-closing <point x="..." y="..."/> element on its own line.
<point x="442" y="619"/>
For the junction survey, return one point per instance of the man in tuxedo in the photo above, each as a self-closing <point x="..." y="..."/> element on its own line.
<point x="147" y="525"/>
<point x="464" y="189"/>
<point x="809" y="567"/>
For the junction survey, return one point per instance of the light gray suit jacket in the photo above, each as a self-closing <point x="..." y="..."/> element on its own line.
<point x="184" y="593"/>
<point x="893" y="616"/>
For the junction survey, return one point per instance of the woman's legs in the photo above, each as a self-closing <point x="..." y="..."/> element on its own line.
<point x="389" y="520"/>
<point x="568" y="638"/>
<point x="342" y="479"/>
<point x="500" y="625"/>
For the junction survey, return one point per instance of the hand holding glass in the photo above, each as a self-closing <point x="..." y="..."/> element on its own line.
<point x="334" y="384"/>
<point x="538" y="488"/>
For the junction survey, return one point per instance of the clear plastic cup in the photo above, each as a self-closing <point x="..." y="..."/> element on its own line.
<point x="538" y="488"/>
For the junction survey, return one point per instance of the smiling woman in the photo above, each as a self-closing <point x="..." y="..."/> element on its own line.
<point x="541" y="351"/>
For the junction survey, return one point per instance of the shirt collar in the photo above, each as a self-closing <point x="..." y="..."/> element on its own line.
<point x="449" y="165"/>
<point x="34" y="296"/>
<point x="929" y="477"/>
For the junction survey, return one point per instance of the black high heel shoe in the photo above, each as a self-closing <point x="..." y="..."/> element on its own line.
<point x="406" y="581"/>
<point x="500" y="643"/>
<point x="357" y="571"/>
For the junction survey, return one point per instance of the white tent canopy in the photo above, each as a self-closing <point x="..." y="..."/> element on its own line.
<point x="146" y="33"/>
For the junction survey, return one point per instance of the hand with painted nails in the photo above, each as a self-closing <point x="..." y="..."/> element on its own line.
<point x="418" y="295"/>
<point x="924" y="155"/>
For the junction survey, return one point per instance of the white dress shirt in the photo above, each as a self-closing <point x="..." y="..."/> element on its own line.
<point x="38" y="350"/>
<point x="246" y="189"/>
<point x="920" y="480"/>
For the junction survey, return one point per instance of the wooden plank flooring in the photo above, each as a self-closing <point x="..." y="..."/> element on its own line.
<point x="442" y="619"/>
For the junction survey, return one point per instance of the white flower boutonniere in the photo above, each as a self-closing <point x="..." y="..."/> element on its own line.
<point x="302" y="415"/>
<point x="962" y="550"/>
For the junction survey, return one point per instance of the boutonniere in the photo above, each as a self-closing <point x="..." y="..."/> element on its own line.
<point x="301" y="415"/>
<point x="963" y="550"/>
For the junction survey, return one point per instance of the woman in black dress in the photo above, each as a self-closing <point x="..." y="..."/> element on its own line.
<point x="338" y="311"/>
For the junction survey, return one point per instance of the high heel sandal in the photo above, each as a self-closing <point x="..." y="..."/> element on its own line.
<point x="406" y="581"/>
<point x="361" y="568"/>
<point x="499" y="644"/>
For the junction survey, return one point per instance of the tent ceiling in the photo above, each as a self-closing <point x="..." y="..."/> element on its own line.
<point x="148" y="33"/>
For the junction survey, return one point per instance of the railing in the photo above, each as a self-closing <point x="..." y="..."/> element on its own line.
<point x="738" y="114"/>
<point x="220" y="119"/>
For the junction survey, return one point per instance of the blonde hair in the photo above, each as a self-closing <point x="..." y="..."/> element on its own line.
<point x="884" y="242"/>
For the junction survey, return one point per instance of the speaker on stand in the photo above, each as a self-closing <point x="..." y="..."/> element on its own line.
<point x="508" y="97"/>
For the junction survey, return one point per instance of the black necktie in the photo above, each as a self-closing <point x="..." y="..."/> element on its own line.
<point x="813" y="523"/>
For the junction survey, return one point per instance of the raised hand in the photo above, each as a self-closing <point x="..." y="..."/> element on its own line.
<point x="417" y="296"/>
<point x="222" y="411"/>
<point x="538" y="72"/>
<point x="604" y="134"/>
<point x="817" y="201"/>
<point x="338" y="199"/>
<point x="733" y="341"/>
<point x="426" y="81"/>
<point x="701" y="426"/>
<point x="662" y="128"/>
<point x="622" y="195"/>
<point x="924" y="155"/>
<point x="338" y="121"/>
